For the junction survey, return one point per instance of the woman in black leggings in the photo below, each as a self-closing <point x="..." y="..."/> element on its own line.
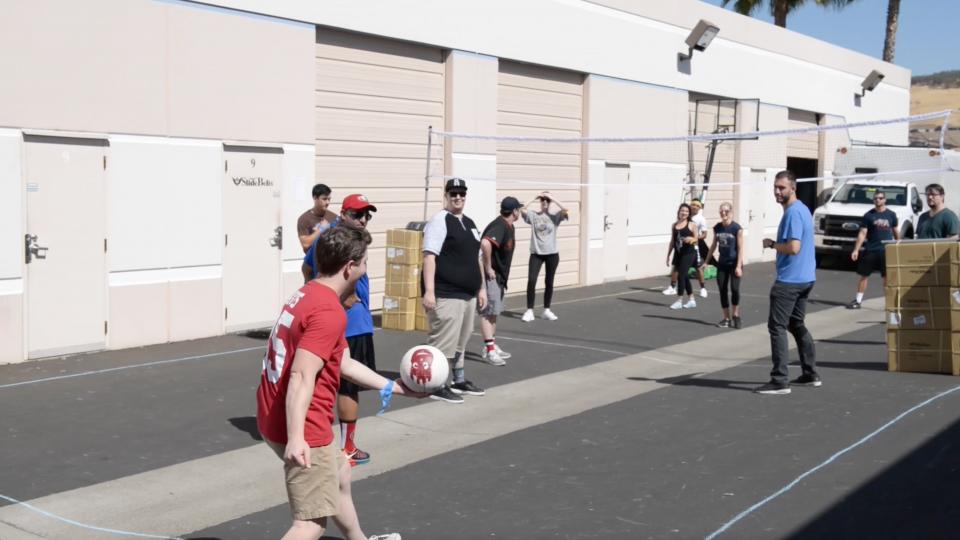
<point x="683" y="247"/>
<point x="728" y="237"/>
<point x="543" y="250"/>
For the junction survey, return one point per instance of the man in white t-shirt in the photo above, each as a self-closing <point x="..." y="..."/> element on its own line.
<point x="696" y="216"/>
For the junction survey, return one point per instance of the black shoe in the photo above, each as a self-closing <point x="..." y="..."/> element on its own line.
<point x="772" y="388"/>
<point x="446" y="394"/>
<point x="724" y="323"/>
<point x="807" y="379"/>
<point x="466" y="387"/>
<point x="853" y="305"/>
<point x="737" y="323"/>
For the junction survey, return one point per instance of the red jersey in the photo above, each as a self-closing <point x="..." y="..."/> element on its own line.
<point x="313" y="319"/>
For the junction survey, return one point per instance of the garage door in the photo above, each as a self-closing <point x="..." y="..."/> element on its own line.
<point x="375" y="100"/>
<point x="534" y="101"/>
<point x="806" y="145"/>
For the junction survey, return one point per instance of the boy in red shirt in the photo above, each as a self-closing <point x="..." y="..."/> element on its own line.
<point x="298" y="389"/>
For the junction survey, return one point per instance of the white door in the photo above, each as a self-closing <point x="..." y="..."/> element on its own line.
<point x="251" y="243"/>
<point x="65" y="291"/>
<point x="615" y="216"/>
<point x="758" y="191"/>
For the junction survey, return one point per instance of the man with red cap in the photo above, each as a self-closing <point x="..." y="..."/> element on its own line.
<point x="356" y="211"/>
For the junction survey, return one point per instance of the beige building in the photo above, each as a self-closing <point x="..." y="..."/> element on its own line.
<point x="162" y="150"/>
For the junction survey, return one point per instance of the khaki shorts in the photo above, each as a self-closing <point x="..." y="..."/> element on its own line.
<point x="451" y="324"/>
<point x="313" y="493"/>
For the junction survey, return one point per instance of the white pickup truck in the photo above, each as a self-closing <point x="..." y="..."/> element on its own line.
<point x="836" y="223"/>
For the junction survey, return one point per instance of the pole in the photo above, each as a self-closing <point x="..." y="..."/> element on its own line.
<point x="426" y="176"/>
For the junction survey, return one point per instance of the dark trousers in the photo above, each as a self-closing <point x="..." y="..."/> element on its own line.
<point x="533" y="272"/>
<point x="788" y="308"/>
<point x="682" y="262"/>
<point x="727" y="279"/>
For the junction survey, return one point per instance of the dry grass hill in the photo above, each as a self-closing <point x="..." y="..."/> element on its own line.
<point x="937" y="92"/>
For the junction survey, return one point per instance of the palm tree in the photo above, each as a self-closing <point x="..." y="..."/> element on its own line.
<point x="781" y="8"/>
<point x="890" y="40"/>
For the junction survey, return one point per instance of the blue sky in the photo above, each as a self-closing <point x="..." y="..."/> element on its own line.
<point x="925" y="39"/>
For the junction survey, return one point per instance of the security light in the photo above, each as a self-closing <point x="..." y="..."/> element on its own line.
<point x="871" y="82"/>
<point x="701" y="36"/>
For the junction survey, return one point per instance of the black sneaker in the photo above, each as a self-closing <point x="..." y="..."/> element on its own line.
<point x="724" y="323"/>
<point x="466" y="387"/>
<point x="737" y="323"/>
<point x="446" y="394"/>
<point x="807" y="379"/>
<point x="853" y="305"/>
<point x="772" y="388"/>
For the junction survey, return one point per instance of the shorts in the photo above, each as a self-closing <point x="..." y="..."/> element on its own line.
<point x="313" y="493"/>
<point x="361" y="350"/>
<point x="872" y="261"/>
<point x="495" y="292"/>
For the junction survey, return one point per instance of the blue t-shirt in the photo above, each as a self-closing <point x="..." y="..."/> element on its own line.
<point x="796" y="224"/>
<point x="726" y="236"/>
<point x="359" y="318"/>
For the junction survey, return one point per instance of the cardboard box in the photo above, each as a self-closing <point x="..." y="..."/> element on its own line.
<point x="404" y="246"/>
<point x="403" y="280"/>
<point x="399" y="313"/>
<point x="924" y="264"/>
<point x="923" y="351"/>
<point x="923" y="308"/>
<point x="421" y="323"/>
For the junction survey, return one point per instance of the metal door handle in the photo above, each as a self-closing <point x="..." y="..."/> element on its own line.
<point x="31" y="249"/>
<point x="607" y="224"/>
<point x="277" y="239"/>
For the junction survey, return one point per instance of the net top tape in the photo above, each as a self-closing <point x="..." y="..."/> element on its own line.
<point x="944" y="115"/>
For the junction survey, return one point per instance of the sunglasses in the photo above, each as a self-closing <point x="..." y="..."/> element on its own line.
<point x="454" y="194"/>
<point x="360" y="214"/>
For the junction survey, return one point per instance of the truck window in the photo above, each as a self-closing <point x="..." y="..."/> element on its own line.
<point x="863" y="194"/>
<point x="915" y="201"/>
<point x="865" y="170"/>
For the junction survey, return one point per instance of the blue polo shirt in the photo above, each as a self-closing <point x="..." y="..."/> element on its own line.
<point x="797" y="224"/>
<point x="359" y="318"/>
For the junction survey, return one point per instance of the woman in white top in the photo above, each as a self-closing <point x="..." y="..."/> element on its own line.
<point x="543" y="249"/>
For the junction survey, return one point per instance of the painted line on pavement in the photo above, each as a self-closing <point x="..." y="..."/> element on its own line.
<point x="828" y="461"/>
<point x="121" y="368"/>
<point x="556" y="344"/>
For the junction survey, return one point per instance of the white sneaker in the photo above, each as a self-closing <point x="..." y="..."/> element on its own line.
<point x="492" y="357"/>
<point x="548" y="315"/>
<point x="391" y="536"/>
<point x="503" y="354"/>
<point x="677" y="305"/>
<point x="670" y="291"/>
<point x="690" y="305"/>
<point x="527" y="316"/>
<point x="703" y="292"/>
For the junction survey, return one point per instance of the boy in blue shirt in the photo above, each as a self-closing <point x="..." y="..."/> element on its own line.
<point x="796" y="274"/>
<point x="356" y="211"/>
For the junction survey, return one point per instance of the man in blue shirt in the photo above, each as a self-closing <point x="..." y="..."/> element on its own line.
<point x="356" y="211"/>
<point x="796" y="274"/>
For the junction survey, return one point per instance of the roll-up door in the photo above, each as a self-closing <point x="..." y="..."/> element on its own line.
<point x="804" y="145"/>
<point x="536" y="101"/>
<point x="375" y="100"/>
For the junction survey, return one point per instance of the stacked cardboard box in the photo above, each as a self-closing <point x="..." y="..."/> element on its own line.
<point x="402" y="308"/>
<point x="923" y="307"/>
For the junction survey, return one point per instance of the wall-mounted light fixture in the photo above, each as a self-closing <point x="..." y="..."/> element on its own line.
<point x="871" y="82"/>
<point x="699" y="38"/>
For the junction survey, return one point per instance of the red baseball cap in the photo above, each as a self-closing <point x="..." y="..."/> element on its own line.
<point x="356" y="201"/>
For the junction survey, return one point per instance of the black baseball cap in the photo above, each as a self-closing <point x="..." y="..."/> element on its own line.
<point x="510" y="204"/>
<point x="457" y="184"/>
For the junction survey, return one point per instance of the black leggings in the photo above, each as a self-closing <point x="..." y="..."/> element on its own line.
<point x="533" y="272"/>
<point x="728" y="277"/>
<point x="682" y="262"/>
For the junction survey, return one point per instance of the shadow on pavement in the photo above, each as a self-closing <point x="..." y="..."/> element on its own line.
<point x="852" y="342"/>
<point x="693" y="380"/>
<point x="247" y="424"/>
<point x="916" y="497"/>
<point x="681" y="319"/>
<point x="646" y="302"/>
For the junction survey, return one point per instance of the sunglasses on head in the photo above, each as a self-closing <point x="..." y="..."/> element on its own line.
<point x="360" y="214"/>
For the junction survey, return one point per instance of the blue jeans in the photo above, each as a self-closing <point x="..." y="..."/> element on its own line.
<point x="788" y="308"/>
